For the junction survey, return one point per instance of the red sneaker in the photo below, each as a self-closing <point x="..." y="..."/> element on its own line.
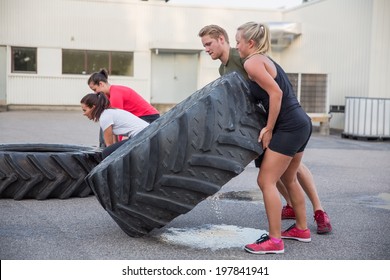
<point x="297" y="234"/>
<point x="288" y="212"/>
<point x="323" y="222"/>
<point x="264" y="245"/>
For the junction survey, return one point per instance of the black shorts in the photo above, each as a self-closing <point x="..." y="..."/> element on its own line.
<point x="288" y="142"/>
<point x="150" y="118"/>
<point x="291" y="142"/>
<point x="110" y="149"/>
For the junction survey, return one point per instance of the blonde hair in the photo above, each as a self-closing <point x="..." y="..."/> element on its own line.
<point x="214" y="31"/>
<point x="259" y="33"/>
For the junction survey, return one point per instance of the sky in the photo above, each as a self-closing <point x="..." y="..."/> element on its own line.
<point x="263" y="4"/>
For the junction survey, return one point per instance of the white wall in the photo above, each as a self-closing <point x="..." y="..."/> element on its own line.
<point x="349" y="41"/>
<point x="3" y="75"/>
<point x="120" y="25"/>
<point x="335" y="40"/>
<point x="346" y="39"/>
<point x="48" y="62"/>
<point x="380" y="50"/>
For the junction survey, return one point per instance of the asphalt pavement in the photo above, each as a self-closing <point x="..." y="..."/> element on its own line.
<point x="352" y="177"/>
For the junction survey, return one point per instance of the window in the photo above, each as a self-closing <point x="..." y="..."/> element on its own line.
<point x="97" y="60"/>
<point x="313" y="93"/>
<point x="88" y="61"/>
<point x="24" y="60"/>
<point x="123" y="63"/>
<point x="73" y="62"/>
<point x="311" y="90"/>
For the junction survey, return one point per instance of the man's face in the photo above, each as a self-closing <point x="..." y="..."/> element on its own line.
<point x="213" y="46"/>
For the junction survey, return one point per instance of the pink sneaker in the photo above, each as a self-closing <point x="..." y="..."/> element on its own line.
<point x="297" y="234"/>
<point x="323" y="222"/>
<point x="288" y="212"/>
<point x="264" y="245"/>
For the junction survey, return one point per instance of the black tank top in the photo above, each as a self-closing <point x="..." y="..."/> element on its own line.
<point x="291" y="115"/>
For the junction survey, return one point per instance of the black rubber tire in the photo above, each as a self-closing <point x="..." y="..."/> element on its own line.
<point x="186" y="155"/>
<point x="42" y="171"/>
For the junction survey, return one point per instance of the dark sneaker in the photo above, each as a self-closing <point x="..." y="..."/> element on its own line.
<point x="264" y="245"/>
<point x="297" y="234"/>
<point x="288" y="212"/>
<point x="323" y="222"/>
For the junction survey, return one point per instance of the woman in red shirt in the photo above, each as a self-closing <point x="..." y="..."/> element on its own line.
<point x="122" y="97"/>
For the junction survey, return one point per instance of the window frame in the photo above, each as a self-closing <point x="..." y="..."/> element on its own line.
<point x="109" y="67"/>
<point x="35" y="63"/>
<point x="311" y="90"/>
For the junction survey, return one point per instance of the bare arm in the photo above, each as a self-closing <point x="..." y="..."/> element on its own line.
<point x="261" y="70"/>
<point x="109" y="137"/>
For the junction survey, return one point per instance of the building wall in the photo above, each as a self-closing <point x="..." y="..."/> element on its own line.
<point x="380" y="54"/>
<point x="349" y="41"/>
<point x="346" y="39"/>
<point x="3" y="77"/>
<point x="120" y="25"/>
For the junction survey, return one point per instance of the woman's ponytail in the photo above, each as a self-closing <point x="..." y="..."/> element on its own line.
<point x="98" y="101"/>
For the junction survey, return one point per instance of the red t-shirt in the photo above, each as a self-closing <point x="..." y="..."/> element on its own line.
<point x="125" y="98"/>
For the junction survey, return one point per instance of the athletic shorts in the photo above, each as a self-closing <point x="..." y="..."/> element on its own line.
<point x="288" y="143"/>
<point x="291" y="142"/>
<point x="150" y="118"/>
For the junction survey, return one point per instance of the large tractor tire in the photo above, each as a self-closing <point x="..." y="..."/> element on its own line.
<point x="42" y="171"/>
<point x="186" y="155"/>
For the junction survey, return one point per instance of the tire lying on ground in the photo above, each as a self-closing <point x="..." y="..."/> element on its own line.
<point x="186" y="155"/>
<point x="42" y="171"/>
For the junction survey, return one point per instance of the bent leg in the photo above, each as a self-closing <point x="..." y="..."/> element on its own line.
<point x="273" y="166"/>
<point x="306" y="180"/>
<point x="283" y="191"/>
<point x="295" y="191"/>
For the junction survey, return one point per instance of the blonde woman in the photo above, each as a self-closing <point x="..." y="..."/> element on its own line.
<point x="216" y="43"/>
<point x="284" y="138"/>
